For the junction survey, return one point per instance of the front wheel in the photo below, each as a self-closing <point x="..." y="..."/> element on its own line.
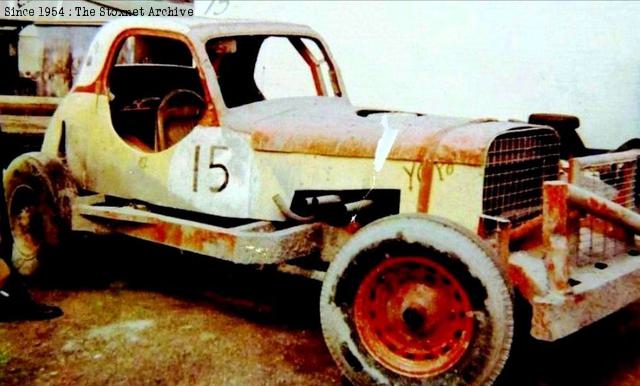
<point x="416" y="300"/>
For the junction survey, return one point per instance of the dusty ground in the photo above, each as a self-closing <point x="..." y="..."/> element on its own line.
<point x="138" y="315"/>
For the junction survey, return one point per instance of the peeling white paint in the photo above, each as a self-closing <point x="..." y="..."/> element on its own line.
<point x="385" y="143"/>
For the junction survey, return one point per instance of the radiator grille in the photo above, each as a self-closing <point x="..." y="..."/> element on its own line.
<point x="518" y="163"/>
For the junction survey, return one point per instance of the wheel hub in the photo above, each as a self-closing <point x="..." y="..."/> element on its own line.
<point x="414" y="316"/>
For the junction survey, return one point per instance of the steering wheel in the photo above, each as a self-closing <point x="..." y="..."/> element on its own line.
<point x="178" y="113"/>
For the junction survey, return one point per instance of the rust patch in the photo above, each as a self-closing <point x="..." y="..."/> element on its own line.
<point x="160" y="233"/>
<point x="334" y="128"/>
<point x="606" y="228"/>
<point x="178" y="236"/>
<point x="601" y="207"/>
<point x="559" y="233"/>
<point x="556" y="209"/>
<point x="527" y="235"/>
<point x="425" y="187"/>
<point x="519" y="279"/>
<point x="529" y="228"/>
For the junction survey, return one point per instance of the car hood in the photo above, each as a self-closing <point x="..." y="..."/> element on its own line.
<point x="334" y="127"/>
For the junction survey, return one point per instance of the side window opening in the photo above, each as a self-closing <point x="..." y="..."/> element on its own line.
<point x="156" y="92"/>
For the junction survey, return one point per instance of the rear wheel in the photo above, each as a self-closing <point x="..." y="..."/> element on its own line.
<point x="38" y="192"/>
<point x="416" y="300"/>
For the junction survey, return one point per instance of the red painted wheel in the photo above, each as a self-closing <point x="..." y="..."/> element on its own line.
<point x="416" y="300"/>
<point x="414" y="316"/>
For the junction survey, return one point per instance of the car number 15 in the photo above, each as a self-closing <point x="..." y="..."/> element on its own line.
<point x="213" y="167"/>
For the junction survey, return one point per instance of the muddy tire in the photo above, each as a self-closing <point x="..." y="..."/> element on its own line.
<point x="417" y="300"/>
<point x="38" y="193"/>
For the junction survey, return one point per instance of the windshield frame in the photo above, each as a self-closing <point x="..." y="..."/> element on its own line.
<point x="333" y="71"/>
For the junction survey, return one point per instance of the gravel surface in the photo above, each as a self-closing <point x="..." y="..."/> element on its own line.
<point x="136" y="314"/>
<point x="140" y="337"/>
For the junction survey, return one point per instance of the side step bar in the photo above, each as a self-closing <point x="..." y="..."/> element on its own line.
<point x="254" y="243"/>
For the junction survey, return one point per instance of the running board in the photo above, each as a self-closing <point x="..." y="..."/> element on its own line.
<point x="255" y="243"/>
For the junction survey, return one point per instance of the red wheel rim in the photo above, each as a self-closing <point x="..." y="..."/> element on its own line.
<point x="413" y="316"/>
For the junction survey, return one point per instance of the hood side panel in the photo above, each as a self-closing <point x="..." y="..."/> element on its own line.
<point x="333" y="127"/>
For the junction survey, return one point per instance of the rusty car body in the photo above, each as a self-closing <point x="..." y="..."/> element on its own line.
<point x="421" y="227"/>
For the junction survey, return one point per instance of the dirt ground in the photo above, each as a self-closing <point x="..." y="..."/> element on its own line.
<point x="136" y="314"/>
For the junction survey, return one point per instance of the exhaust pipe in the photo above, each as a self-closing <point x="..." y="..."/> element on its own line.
<point x="328" y="208"/>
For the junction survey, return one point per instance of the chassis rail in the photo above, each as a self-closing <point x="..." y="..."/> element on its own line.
<point x="255" y="243"/>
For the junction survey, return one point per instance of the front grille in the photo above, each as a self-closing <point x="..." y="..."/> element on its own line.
<point x="518" y="163"/>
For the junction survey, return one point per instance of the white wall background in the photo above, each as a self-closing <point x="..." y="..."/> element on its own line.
<point x="502" y="60"/>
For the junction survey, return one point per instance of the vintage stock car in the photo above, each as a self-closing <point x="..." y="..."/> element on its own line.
<point x="236" y="140"/>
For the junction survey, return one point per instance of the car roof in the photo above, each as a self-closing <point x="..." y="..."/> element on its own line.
<point x="200" y="28"/>
<point x="207" y="28"/>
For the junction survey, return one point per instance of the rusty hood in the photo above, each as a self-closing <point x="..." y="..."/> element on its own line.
<point x="334" y="127"/>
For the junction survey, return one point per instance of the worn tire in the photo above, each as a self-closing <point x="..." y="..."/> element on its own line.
<point x="437" y="243"/>
<point x="38" y="192"/>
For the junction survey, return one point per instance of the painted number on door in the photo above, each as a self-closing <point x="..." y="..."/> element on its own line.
<point x="213" y="168"/>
